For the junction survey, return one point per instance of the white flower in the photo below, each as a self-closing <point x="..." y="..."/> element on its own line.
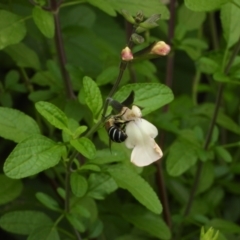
<point x="141" y="134"/>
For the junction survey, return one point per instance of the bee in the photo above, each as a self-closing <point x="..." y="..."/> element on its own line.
<point x="115" y="127"/>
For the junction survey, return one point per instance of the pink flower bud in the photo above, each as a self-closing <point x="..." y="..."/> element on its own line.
<point x="127" y="54"/>
<point x="160" y="48"/>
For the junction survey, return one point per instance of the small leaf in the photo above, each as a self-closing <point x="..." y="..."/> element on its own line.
<point x="10" y="189"/>
<point x="107" y="75"/>
<point x="12" y="29"/>
<point x="149" y="96"/>
<point x="46" y="232"/>
<point x="223" y="154"/>
<point x="11" y="79"/>
<point x="182" y="156"/>
<point x="84" y="146"/>
<point x="224" y="226"/>
<point x="146" y="221"/>
<point x="44" y="21"/>
<point x="230" y="23"/>
<point x="207" y="65"/>
<point x="53" y="114"/>
<point x="23" y="222"/>
<point x="23" y="56"/>
<point x="15" y="125"/>
<point x="31" y="156"/>
<point x="104" y="6"/>
<point x="79" y="184"/>
<point x="91" y="167"/>
<point x="130" y="180"/>
<point x="79" y="131"/>
<point x="75" y="222"/>
<point x="204" y="5"/>
<point x="48" y="201"/>
<point x="93" y="96"/>
<point x="100" y="185"/>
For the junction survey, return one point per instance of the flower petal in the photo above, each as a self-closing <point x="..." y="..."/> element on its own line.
<point x="143" y="155"/>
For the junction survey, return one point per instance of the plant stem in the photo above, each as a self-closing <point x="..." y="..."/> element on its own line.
<point x="60" y="50"/>
<point x="168" y="81"/>
<point x="209" y="136"/>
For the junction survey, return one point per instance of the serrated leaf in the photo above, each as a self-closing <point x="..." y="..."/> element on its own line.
<point x="79" y="184"/>
<point x="230" y="23"/>
<point x="149" y="96"/>
<point x="48" y="201"/>
<point x="104" y="6"/>
<point x="204" y="5"/>
<point x="84" y="146"/>
<point x="182" y="156"/>
<point x="53" y="114"/>
<point x="31" y="156"/>
<point x="10" y="189"/>
<point x="44" y="21"/>
<point x="12" y="29"/>
<point x="47" y="232"/>
<point x="146" y="221"/>
<point x="15" y="125"/>
<point x="23" y="222"/>
<point x="93" y="97"/>
<point x="100" y="185"/>
<point x="130" y="180"/>
<point x="23" y="56"/>
<point x="149" y="7"/>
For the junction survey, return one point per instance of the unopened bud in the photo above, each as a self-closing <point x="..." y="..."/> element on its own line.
<point x="160" y="48"/>
<point x="127" y="54"/>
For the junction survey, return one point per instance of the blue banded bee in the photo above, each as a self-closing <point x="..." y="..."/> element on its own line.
<point x="115" y="128"/>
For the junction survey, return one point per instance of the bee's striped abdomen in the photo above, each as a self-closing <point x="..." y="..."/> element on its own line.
<point x="116" y="134"/>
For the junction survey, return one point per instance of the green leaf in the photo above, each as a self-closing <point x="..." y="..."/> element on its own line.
<point x="23" y="222"/>
<point x="222" y="119"/>
<point x="182" y="156"/>
<point x="10" y="189"/>
<point x="93" y="96"/>
<point x="207" y="65"/>
<point x="137" y="186"/>
<point x="12" y="29"/>
<point x="53" y="114"/>
<point x="208" y="177"/>
<point x="149" y="7"/>
<point x="48" y="201"/>
<point x="188" y="20"/>
<point x="149" y="96"/>
<point x="23" y="56"/>
<point x="104" y="6"/>
<point x="223" y="154"/>
<point x="11" y="79"/>
<point x="31" y="156"/>
<point x="224" y="226"/>
<point x="106" y="156"/>
<point x="84" y="146"/>
<point x="44" y="21"/>
<point x="100" y="185"/>
<point x="15" y="125"/>
<point x="75" y="222"/>
<point x="107" y="75"/>
<point x="47" y="232"/>
<point x="204" y="5"/>
<point x="146" y="221"/>
<point x="79" y="184"/>
<point x="230" y="23"/>
<point x="91" y="167"/>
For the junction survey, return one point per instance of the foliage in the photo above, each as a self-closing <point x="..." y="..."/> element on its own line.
<point x="60" y="69"/>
